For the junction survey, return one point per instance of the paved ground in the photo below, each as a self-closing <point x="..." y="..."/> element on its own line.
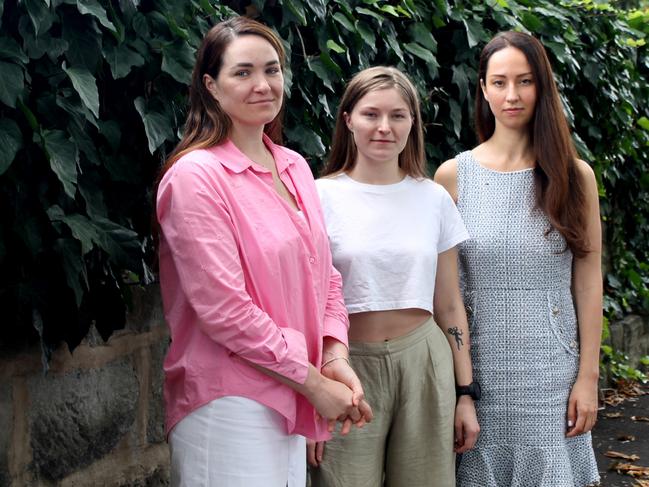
<point x="616" y="431"/>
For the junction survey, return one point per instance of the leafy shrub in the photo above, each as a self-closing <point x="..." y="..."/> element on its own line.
<point x="93" y="97"/>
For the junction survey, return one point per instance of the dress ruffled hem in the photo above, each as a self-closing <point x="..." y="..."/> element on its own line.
<point x="528" y="466"/>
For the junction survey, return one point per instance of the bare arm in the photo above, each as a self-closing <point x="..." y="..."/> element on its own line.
<point x="451" y="318"/>
<point x="446" y="175"/>
<point x="587" y="292"/>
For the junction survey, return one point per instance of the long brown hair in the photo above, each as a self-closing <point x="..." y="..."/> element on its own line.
<point x="207" y="124"/>
<point x="343" y="151"/>
<point x="559" y="187"/>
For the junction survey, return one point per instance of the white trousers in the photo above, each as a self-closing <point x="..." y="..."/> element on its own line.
<point x="236" y="442"/>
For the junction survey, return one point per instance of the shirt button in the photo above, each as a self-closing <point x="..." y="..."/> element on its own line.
<point x="573" y="344"/>
<point x="555" y="310"/>
<point x="312" y="259"/>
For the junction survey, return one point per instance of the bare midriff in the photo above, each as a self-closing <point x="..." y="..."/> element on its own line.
<point x="378" y="326"/>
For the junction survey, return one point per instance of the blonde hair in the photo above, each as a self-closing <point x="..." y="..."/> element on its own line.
<point x="343" y="149"/>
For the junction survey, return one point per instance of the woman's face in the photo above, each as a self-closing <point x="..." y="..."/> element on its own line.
<point x="510" y="88"/>
<point x="250" y="84"/>
<point x="380" y="123"/>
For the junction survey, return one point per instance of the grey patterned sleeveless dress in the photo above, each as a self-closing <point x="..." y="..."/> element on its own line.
<point x="524" y="344"/>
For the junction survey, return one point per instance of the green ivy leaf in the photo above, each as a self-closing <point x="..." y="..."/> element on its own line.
<point x="367" y="34"/>
<point x="422" y="35"/>
<point x="39" y="13"/>
<point x="318" y="67"/>
<point x="389" y="9"/>
<point x="456" y="116"/>
<point x="84" y="42"/>
<point x="371" y="13"/>
<point x="63" y="156"/>
<point x="84" y="83"/>
<point x="70" y="253"/>
<point x="11" y="140"/>
<point x="461" y="80"/>
<point x="644" y="123"/>
<point x="334" y="46"/>
<point x="342" y="19"/>
<point x="9" y="49"/>
<point x="93" y="8"/>
<point x="121" y="59"/>
<point x="531" y="21"/>
<point x="12" y="83"/>
<point x="419" y="51"/>
<point x="297" y="9"/>
<point x="474" y="32"/>
<point x="309" y="142"/>
<point x="178" y="61"/>
<point x="156" y="125"/>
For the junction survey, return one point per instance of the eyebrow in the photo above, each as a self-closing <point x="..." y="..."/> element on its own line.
<point x="518" y="75"/>
<point x="251" y="65"/>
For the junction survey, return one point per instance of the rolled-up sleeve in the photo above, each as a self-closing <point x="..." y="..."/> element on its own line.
<point x="336" y="321"/>
<point x="199" y="232"/>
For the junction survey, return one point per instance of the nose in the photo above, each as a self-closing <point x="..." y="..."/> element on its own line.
<point x="512" y="92"/>
<point x="261" y="84"/>
<point x="384" y="124"/>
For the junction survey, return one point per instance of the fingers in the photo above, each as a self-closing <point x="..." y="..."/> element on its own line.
<point x="319" y="451"/>
<point x="311" y="454"/>
<point x="347" y="426"/>
<point x="586" y="419"/>
<point x="571" y="419"/>
<point x="459" y="437"/>
<point x="366" y="413"/>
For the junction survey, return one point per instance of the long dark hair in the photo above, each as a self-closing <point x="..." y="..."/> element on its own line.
<point x="207" y="125"/>
<point x="343" y="150"/>
<point x="559" y="187"/>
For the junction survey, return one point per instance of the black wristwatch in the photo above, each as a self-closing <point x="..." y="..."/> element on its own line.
<point x="472" y="390"/>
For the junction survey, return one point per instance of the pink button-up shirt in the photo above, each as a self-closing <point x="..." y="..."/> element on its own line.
<point x="244" y="276"/>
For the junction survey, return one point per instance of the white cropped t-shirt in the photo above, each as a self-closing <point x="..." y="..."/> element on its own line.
<point x="385" y="239"/>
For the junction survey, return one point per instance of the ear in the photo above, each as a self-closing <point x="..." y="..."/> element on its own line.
<point x="210" y="84"/>
<point x="484" y="89"/>
<point x="348" y="121"/>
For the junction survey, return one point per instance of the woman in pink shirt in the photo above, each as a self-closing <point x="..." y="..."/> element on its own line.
<point x="253" y="303"/>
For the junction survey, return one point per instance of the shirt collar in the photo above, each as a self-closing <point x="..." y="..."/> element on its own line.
<point x="236" y="161"/>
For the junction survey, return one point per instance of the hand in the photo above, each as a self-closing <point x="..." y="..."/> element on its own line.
<point x="341" y="371"/>
<point x="466" y="425"/>
<point x="314" y="451"/>
<point x="331" y="399"/>
<point x="582" y="407"/>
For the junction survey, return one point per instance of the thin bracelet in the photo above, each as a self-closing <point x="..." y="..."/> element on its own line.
<point x="333" y="359"/>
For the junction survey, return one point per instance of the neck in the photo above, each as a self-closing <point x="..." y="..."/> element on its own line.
<point x="375" y="172"/>
<point x="513" y="148"/>
<point x="249" y="140"/>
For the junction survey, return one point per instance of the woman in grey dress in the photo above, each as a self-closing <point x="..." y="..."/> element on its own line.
<point x="531" y="277"/>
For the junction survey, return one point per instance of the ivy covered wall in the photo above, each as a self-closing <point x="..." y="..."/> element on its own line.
<point x="92" y="98"/>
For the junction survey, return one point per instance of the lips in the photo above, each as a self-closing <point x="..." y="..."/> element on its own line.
<point x="258" y="102"/>
<point x="383" y="141"/>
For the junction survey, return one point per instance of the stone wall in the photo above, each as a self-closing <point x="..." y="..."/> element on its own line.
<point x="631" y="335"/>
<point x="96" y="417"/>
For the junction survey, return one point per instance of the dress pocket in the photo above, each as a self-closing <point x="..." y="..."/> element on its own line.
<point x="563" y="320"/>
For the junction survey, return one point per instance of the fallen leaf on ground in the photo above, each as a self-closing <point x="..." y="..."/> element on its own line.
<point x="630" y="388"/>
<point x="626" y="439"/>
<point x="613" y="415"/>
<point x="640" y="418"/>
<point x="635" y="471"/>
<point x="624" y="456"/>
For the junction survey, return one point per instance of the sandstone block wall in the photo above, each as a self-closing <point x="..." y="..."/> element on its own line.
<point x="96" y="418"/>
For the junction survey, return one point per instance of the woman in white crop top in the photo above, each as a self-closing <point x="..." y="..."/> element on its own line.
<point x="393" y="234"/>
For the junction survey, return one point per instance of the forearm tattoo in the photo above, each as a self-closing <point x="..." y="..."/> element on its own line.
<point x="457" y="334"/>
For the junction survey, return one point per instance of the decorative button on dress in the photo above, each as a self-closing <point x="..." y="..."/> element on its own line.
<point x="524" y="343"/>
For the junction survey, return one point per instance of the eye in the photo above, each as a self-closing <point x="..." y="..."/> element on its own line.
<point x="241" y="73"/>
<point x="527" y="81"/>
<point x="399" y="116"/>
<point x="498" y="83"/>
<point x="368" y="114"/>
<point x="273" y="70"/>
